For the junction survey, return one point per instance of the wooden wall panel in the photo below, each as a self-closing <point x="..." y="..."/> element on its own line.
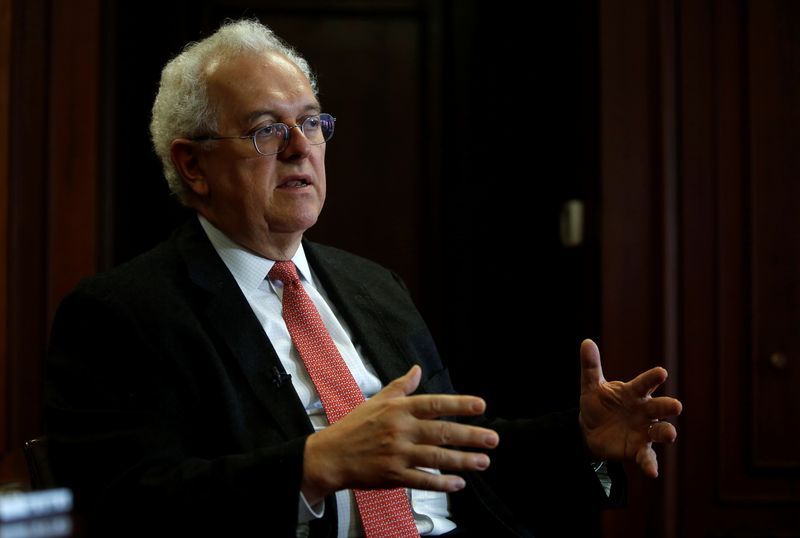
<point x="700" y="160"/>
<point x="5" y="91"/>
<point x="638" y="178"/>
<point x="760" y="304"/>
<point x="698" y="440"/>
<point x="773" y="62"/>
<point x="73" y="141"/>
<point x="739" y="273"/>
<point x="51" y="186"/>
<point x="26" y="231"/>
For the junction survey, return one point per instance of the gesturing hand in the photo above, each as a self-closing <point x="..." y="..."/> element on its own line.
<point x="381" y="443"/>
<point x="621" y="421"/>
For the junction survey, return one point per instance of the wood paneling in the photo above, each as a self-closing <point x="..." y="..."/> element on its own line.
<point x="700" y="260"/>
<point x="740" y="283"/>
<point x="5" y="78"/>
<point x="51" y="186"/>
<point x="639" y="214"/>
<point x="699" y="433"/>
<point x="773" y="89"/>
<point x="26" y="231"/>
<point x="73" y="142"/>
<point x="758" y="162"/>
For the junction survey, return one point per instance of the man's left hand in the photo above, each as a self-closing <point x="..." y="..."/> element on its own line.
<point x="621" y="421"/>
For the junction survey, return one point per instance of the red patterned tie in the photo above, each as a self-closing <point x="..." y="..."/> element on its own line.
<point x="384" y="512"/>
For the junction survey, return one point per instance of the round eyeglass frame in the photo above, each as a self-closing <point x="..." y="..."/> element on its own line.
<point x="322" y="117"/>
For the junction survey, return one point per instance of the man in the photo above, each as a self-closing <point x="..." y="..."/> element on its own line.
<point x="179" y="400"/>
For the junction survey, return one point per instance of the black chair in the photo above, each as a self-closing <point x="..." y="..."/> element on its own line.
<point x="38" y="463"/>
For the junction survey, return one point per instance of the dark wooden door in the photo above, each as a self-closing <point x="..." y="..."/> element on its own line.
<point x="700" y="171"/>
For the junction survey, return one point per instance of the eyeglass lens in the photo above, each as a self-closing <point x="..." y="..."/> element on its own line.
<point x="274" y="138"/>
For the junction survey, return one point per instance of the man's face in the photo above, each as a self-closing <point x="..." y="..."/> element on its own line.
<point x="264" y="203"/>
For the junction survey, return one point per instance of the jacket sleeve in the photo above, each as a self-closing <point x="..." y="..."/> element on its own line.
<point x="541" y="480"/>
<point x="123" y="437"/>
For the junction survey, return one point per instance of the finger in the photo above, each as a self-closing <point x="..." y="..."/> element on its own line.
<point x="662" y="432"/>
<point x="427" y="481"/>
<point x="591" y="368"/>
<point x="403" y="385"/>
<point x="663" y="407"/>
<point x="444" y="433"/>
<point x="647" y="461"/>
<point x="645" y="383"/>
<point x="442" y="405"/>
<point x="447" y="459"/>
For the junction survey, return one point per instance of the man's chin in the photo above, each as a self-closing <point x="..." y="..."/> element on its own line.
<point x="298" y="225"/>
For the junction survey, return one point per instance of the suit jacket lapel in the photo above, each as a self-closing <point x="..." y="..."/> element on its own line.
<point x="358" y="306"/>
<point x="230" y="315"/>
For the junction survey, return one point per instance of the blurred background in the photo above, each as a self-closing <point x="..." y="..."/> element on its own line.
<point x="622" y="170"/>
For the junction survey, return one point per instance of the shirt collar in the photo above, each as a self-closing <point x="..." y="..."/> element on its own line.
<point x="249" y="269"/>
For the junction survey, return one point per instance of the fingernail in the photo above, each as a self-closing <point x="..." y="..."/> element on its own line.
<point x="482" y="461"/>
<point x="458" y="484"/>
<point x="490" y="440"/>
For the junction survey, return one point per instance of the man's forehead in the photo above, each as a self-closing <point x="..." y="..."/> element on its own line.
<point x="220" y="67"/>
<point x="259" y="73"/>
<point x="255" y="85"/>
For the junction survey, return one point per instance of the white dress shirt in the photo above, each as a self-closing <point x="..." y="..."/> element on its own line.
<point x="430" y="508"/>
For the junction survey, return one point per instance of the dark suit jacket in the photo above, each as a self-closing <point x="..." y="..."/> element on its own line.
<point x="162" y="406"/>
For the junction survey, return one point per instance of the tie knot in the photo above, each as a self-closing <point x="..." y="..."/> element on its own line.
<point x="285" y="271"/>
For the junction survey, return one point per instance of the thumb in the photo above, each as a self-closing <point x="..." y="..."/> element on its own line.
<point x="591" y="368"/>
<point x="403" y="385"/>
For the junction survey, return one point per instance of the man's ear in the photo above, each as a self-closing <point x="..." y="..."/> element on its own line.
<point x="184" y="155"/>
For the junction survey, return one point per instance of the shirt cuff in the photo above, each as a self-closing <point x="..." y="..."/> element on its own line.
<point x="306" y="512"/>
<point x="601" y="470"/>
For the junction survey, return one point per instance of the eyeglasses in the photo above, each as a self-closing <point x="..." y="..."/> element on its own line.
<point x="274" y="138"/>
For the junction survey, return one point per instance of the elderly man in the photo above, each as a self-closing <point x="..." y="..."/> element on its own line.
<point x="239" y="379"/>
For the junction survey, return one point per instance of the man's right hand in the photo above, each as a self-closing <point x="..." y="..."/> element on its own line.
<point x="381" y="443"/>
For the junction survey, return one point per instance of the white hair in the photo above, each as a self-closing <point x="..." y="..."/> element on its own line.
<point x="182" y="108"/>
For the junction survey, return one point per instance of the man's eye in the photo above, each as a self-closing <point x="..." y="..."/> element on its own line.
<point x="268" y="131"/>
